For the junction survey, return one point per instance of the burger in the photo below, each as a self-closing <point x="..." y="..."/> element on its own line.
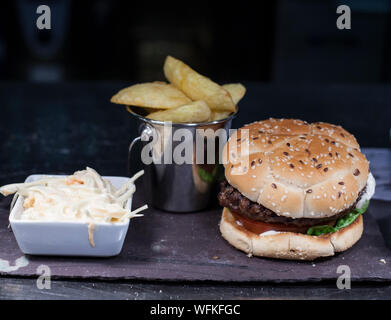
<point x="294" y="190"/>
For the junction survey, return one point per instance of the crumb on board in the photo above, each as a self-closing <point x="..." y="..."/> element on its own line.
<point x="215" y="257"/>
<point x="383" y="261"/>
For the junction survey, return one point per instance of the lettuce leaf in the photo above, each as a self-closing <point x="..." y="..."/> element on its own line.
<point x="216" y="175"/>
<point x="319" y="230"/>
<point x="205" y="175"/>
<point x="351" y="216"/>
<point x="341" y="222"/>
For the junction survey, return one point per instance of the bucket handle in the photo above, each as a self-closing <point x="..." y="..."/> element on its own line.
<point x="145" y="135"/>
<point x="130" y="151"/>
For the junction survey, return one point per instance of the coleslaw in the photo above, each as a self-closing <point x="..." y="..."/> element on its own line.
<point x="84" y="196"/>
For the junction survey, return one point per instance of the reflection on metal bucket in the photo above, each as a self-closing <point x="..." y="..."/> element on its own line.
<point x="188" y="185"/>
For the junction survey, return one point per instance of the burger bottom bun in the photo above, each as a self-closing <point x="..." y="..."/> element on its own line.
<point x="289" y="245"/>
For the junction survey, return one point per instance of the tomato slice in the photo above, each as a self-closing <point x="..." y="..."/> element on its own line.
<point x="259" y="227"/>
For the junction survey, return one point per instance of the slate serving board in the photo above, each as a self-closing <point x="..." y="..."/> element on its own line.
<point x="188" y="247"/>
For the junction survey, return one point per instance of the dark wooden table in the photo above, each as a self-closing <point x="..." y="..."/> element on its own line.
<point x="14" y="288"/>
<point x="60" y="128"/>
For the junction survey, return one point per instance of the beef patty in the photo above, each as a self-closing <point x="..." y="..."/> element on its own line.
<point x="232" y="199"/>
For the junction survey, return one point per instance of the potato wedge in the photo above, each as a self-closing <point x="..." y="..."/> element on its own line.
<point x="156" y="95"/>
<point x="196" y="86"/>
<point x="197" y="111"/>
<point x="215" y="115"/>
<point x="236" y="90"/>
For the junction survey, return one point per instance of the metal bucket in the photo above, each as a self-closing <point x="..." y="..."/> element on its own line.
<point x="180" y="187"/>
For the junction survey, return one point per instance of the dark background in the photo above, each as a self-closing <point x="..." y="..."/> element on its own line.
<point x="284" y="41"/>
<point x="55" y="85"/>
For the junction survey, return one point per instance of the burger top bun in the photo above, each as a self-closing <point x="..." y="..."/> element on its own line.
<point x="296" y="169"/>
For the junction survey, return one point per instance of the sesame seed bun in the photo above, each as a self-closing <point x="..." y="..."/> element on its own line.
<point x="296" y="169"/>
<point x="289" y="245"/>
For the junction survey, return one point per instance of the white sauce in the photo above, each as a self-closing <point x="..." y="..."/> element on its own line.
<point x="369" y="192"/>
<point x="21" y="262"/>
<point x="269" y="233"/>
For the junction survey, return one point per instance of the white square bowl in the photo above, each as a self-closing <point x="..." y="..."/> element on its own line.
<point x="68" y="238"/>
